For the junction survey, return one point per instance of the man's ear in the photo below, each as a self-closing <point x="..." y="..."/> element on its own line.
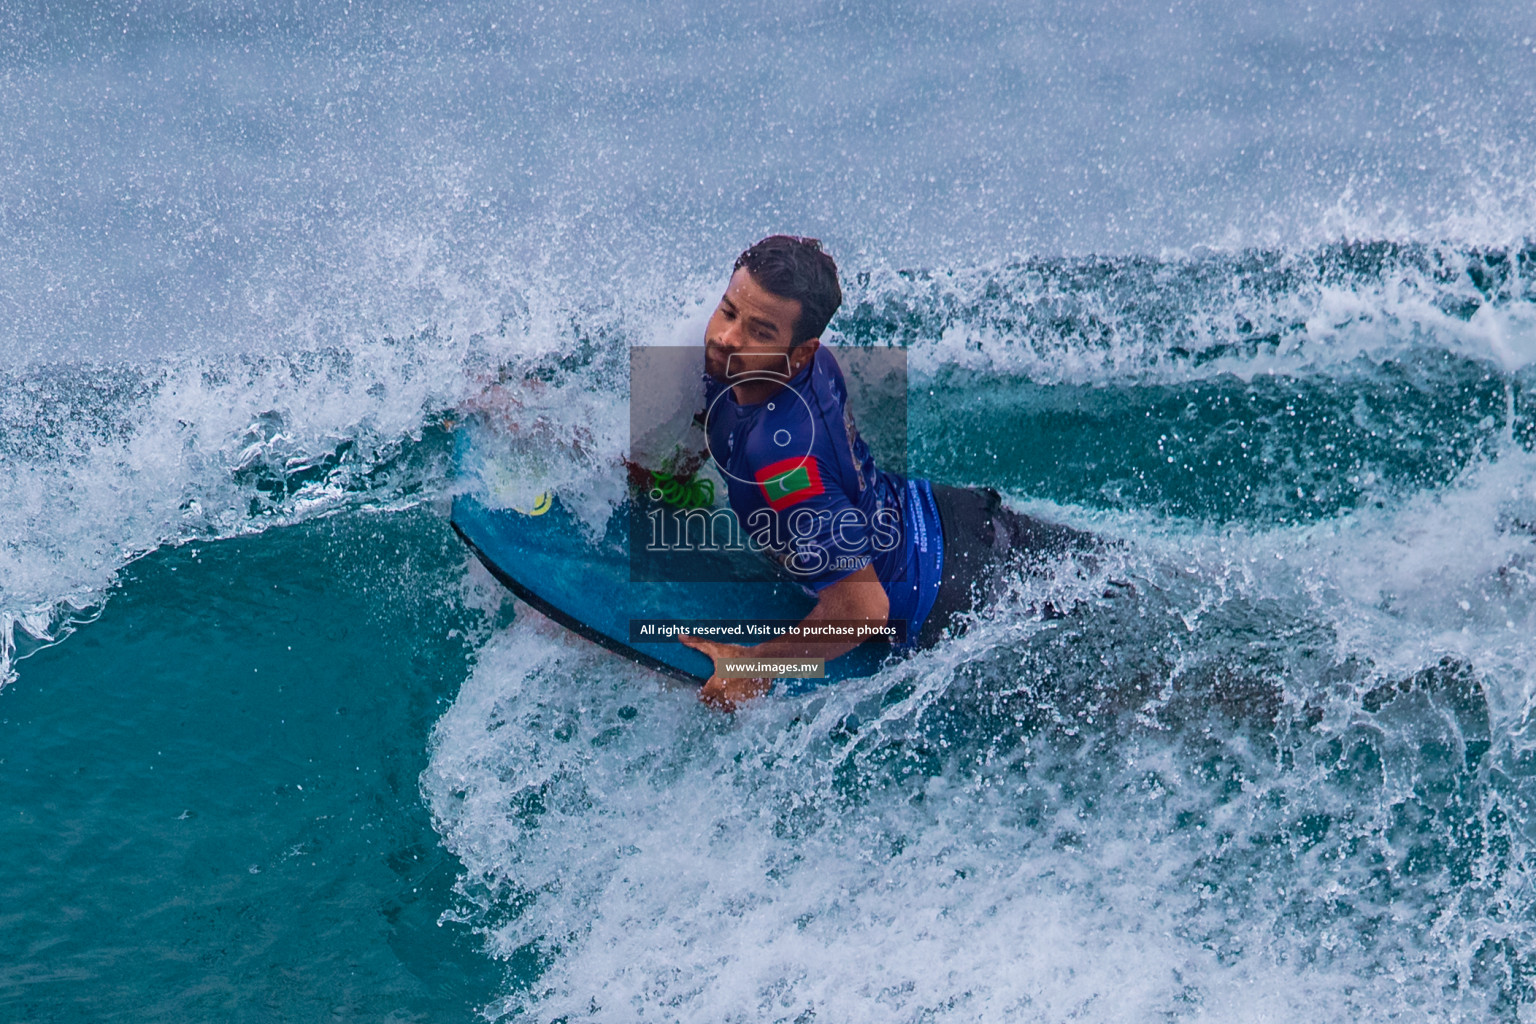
<point x="802" y="354"/>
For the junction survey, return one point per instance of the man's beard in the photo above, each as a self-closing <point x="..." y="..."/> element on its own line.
<point x="731" y="367"/>
<point x="716" y="363"/>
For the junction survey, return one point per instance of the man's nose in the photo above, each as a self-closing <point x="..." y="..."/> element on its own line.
<point x="730" y="337"/>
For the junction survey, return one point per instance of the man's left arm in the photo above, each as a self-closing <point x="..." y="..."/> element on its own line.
<point x="854" y="599"/>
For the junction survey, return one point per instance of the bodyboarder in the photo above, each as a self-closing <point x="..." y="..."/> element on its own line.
<point x="873" y="547"/>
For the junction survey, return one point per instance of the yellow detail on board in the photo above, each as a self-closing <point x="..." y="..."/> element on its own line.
<point x="541" y="504"/>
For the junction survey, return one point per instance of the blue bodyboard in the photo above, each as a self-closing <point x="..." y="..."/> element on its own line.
<point x="584" y="582"/>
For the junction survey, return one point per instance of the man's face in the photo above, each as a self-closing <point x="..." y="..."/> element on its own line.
<point x="750" y="331"/>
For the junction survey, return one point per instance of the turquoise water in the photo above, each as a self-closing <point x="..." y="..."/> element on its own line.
<point x="210" y="799"/>
<point x="275" y="747"/>
<point x="1248" y="293"/>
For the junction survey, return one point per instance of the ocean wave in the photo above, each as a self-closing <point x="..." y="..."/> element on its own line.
<point x="1250" y="386"/>
<point x="1199" y="796"/>
<point x="110" y="462"/>
<point x="1274" y="769"/>
<point x="1243" y="312"/>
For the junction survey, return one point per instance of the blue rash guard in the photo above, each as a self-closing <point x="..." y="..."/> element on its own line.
<point x="806" y="489"/>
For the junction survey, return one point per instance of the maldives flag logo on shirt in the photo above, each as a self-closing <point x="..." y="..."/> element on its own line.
<point x="790" y="481"/>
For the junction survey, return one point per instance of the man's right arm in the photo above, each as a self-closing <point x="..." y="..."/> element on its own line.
<point x="857" y="598"/>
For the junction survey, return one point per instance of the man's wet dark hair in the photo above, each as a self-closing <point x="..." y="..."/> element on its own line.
<point x="796" y="268"/>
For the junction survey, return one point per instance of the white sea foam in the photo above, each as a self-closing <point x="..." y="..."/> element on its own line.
<point x="108" y="461"/>
<point x="1194" y="800"/>
<point x="1240" y="312"/>
<point x="866" y="854"/>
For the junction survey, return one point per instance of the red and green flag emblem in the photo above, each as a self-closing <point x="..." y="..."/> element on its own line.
<point x="790" y="481"/>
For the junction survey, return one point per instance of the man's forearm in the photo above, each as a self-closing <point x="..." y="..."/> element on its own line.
<point x="851" y="603"/>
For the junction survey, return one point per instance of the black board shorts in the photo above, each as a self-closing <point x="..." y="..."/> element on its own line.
<point x="982" y="540"/>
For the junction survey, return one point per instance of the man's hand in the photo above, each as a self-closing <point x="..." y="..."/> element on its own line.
<point x="724" y="693"/>
<point x="858" y="597"/>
